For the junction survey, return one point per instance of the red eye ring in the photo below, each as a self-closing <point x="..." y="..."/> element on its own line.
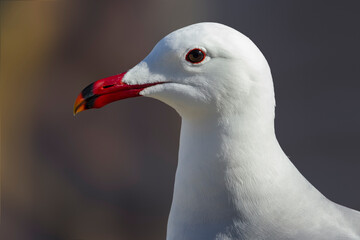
<point x="195" y="56"/>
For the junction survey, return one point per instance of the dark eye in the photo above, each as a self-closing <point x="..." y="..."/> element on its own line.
<point x="195" y="56"/>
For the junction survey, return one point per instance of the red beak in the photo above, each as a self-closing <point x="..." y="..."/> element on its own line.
<point x="105" y="91"/>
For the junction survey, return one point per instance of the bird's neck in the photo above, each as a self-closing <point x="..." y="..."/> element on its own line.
<point x="230" y="170"/>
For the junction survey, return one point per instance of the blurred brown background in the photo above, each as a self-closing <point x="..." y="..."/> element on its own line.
<point x="108" y="174"/>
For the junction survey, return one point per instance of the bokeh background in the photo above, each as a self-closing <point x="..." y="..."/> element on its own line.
<point x="109" y="173"/>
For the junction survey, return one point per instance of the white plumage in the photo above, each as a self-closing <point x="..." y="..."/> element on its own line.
<point x="233" y="180"/>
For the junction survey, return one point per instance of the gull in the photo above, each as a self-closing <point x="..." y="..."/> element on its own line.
<point x="233" y="180"/>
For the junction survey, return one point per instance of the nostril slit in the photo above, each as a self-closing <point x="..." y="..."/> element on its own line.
<point x="107" y="86"/>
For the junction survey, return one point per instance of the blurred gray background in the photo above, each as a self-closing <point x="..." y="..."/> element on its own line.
<point x="109" y="173"/>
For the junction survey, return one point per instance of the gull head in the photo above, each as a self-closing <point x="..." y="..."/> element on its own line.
<point x="201" y="69"/>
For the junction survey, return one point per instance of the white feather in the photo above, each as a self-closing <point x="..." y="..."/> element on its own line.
<point x="233" y="180"/>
